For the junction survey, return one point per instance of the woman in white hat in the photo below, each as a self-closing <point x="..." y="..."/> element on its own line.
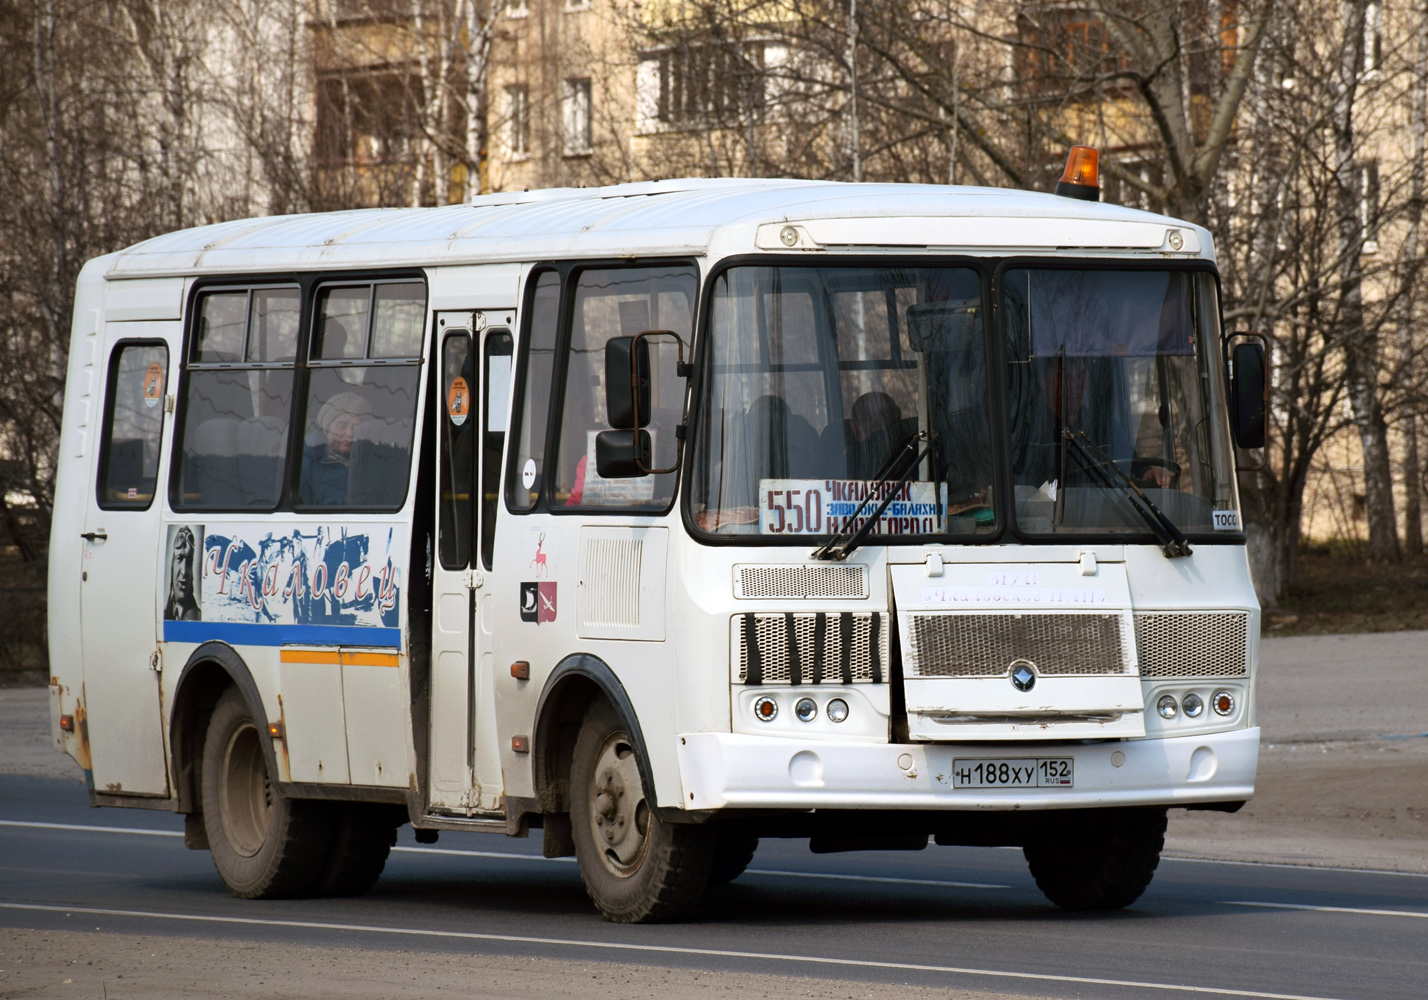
<point x="324" y="467"/>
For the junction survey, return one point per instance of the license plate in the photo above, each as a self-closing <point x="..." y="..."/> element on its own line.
<point x="1012" y="772"/>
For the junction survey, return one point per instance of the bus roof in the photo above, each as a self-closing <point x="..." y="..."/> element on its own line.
<point x="660" y="218"/>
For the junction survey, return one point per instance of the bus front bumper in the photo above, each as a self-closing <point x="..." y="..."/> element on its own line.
<point x="730" y="770"/>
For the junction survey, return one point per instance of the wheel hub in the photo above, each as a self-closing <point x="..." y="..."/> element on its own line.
<point x="245" y="796"/>
<point x="619" y="814"/>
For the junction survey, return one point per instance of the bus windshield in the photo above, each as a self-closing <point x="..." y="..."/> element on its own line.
<point x="818" y="378"/>
<point x="817" y="381"/>
<point x="1112" y="375"/>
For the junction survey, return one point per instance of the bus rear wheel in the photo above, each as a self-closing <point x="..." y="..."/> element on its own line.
<point x="362" y="839"/>
<point x="636" y="867"/>
<point x="1097" y="859"/>
<point x="264" y="845"/>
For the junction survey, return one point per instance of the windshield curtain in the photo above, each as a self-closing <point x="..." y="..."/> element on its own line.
<point x="1126" y="362"/>
<point x="815" y="381"/>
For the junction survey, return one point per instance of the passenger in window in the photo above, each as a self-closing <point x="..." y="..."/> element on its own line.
<point x="325" y="462"/>
<point x="577" y="491"/>
<point x="877" y="433"/>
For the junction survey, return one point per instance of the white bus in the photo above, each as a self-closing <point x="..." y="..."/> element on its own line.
<point x="661" y="518"/>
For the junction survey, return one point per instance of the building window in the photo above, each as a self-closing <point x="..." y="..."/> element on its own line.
<point x="575" y="115"/>
<point x="707" y="84"/>
<point x="518" y="120"/>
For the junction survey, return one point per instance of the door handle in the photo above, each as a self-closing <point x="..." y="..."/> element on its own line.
<point x="95" y="536"/>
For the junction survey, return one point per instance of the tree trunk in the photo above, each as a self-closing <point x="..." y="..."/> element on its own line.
<point x="1361" y="344"/>
<point x="1412" y="470"/>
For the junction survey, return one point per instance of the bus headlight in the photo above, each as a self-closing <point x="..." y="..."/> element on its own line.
<point x="1167" y="707"/>
<point x="1224" y="703"/>
<point x="837" y="710"/>
<point x="1193" y="705"/>
<point x="765" y="709"/>
<point x="806" y="710"/>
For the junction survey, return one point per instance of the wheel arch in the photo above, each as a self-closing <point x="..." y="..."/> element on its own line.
<point x="572" y="686"/>
<point x="211" y="669"/>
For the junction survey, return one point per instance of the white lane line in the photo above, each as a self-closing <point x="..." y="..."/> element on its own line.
<point x="749" y="871"/>
<point x="877" y="878"/>
<point x="1326" y="909"/>
<point x="92" y="829"/>
<point x="503" y="855"/>
<point x="659" y="949"/>
<point x="1298" y="868"/>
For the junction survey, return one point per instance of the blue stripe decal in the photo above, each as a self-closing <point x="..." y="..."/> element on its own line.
<point x="248" y="634"/>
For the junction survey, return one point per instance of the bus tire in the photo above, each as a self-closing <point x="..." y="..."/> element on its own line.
<point x="636" y="868"/>
<point x="1100" y="859"/>
<point x="362" y="838"/>
<point x="264" y="845"/>
<point x="732" y="854"/>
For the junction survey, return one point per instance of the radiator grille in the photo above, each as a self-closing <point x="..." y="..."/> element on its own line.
<point x="839" y="648"/>
<point x="1179" y="644"/>
<point x="800" y="581"/>
<point x="962" y="645"/>
<point x="612" y="581"/>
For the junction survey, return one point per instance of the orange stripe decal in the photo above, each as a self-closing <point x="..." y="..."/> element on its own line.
<point x="347" y="658"/>
<point x="310" y="656"/>
<point x="369" y="659"/>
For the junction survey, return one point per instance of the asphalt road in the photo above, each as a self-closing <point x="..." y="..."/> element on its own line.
<point x="956" y="918"/>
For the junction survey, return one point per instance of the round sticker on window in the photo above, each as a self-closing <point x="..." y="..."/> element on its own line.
<point x="528" y="474"/>
<point x="458" y="401"/>
<point x="154" y="385"/>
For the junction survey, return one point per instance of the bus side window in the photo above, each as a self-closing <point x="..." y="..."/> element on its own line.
<point x="532" y="413"/>
<point x="359" y="413"/>
<point x="238" y="388"/>
<point x="622" y="302"/>
<point x="133" y="422"/>
<point x="497" y="398"/>
<point x="458" y="451"/>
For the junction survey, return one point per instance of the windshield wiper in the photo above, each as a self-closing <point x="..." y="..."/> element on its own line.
<point x="1172" y="540"/>
<point x="841" y="545"/>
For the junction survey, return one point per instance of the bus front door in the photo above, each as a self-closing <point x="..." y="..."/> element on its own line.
<point x="475" y="370"/>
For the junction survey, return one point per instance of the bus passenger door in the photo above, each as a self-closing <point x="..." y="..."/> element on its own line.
<point x="473" y="389"/>
<point x="120" y="574"/>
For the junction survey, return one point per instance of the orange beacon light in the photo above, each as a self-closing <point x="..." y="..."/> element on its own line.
<point x="1082" y="178"/>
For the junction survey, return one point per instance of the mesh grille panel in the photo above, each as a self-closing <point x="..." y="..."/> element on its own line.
<point x="612" y="581"/>
<point x="960" y="645"/>
<point x="801" y="581"/>
<point x="816" y="654"/>
<point x="1192" y="645"/>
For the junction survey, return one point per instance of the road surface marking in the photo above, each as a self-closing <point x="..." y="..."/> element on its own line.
<point x="657" y="949"/>
<point x="1284" y="864"/>
<point x="1327" y="909"/>
<point x="92" y="829"/>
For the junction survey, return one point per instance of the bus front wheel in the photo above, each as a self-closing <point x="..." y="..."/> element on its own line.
<point x="264" y="845"/>
<point x="636" y="867"/>
<point x="1097" y="859"/>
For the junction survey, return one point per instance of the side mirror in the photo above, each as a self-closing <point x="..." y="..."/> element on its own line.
<point x="627" y="382"/>
<point x="623" y="454"/>
<point x="1249" y="391"/>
